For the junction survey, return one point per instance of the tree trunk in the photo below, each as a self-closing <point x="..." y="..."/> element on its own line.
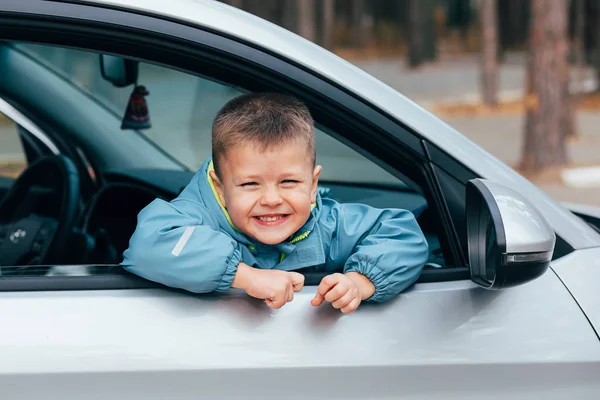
<point x="580" y="43"/>
<point x="421" y="32"/>
<point x="415" y="34"/>
<point x="252" y="6"/>
<point x="358" y="34"/>
<point x="572" y="101"/>
<point x="595" y="4"/>
<point x="489" y="51"/>
<point x="306" y="18"/>
<point x="235" y="3"/>
<point x="544" y="144"/>
<point x="328" y="23"/>
<point x="590" y="32"/>
<point x="428" y="28"/>
<point x="290" y="15"/>
<point x="265" y="9"/>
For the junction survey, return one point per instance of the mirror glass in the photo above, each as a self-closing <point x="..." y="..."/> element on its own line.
<point x="118" y="71"/>
<point x="488" y="253"/>
<point x="491" y="251"/>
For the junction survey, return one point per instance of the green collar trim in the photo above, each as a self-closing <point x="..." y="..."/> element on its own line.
<point x="300" y="237"/>
<point x="295" y="240"/>
<point x="210" y="168"/>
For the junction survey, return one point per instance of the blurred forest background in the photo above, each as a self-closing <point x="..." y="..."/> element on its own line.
<point x="519" y="77"/>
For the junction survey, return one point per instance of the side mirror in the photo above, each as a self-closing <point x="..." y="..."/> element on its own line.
<point x="118" y="71"/>
<point x="510" y="242"/>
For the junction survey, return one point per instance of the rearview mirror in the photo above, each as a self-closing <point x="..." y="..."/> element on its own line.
<point x="118" y="71"/>
<point x="509" y="241"/>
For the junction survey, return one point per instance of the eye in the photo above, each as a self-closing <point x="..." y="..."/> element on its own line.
<point x="289" y="182"/>
<point x="249" y="184"/>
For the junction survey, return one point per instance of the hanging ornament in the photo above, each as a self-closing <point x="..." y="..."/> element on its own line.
<point x="136" y="114"/>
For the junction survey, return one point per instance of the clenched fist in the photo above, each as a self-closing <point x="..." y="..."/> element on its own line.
<point x="274" y="286"/>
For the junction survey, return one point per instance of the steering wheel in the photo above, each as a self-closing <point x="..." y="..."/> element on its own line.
<point x="39" y="212"/>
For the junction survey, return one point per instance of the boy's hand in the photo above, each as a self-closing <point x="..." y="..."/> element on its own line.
<point x="274" y="286"/>
<point x="344" y="292"/>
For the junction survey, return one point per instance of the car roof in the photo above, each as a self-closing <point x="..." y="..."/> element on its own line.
<point x="230" y="21"/>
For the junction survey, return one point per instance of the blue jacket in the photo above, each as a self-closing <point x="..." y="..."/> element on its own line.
<point x="190" y="243"/>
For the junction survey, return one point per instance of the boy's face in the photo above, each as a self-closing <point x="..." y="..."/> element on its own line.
<point x="268" y="193"/>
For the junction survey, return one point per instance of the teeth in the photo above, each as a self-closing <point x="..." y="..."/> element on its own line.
<point x="270" y="219"/>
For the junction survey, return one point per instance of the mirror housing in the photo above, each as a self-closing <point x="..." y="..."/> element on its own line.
<point x="509" y="241"/>
<point x="119" y="71"/>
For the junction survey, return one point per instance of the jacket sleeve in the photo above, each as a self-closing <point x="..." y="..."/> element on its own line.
<point x="385" y="245"/>
<point x="178" y="244"/>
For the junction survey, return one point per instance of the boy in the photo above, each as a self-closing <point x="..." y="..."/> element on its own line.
<point x="252" y="215"/>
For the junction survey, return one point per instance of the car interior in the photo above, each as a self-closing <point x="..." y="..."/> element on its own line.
<point x="75" y="203"/>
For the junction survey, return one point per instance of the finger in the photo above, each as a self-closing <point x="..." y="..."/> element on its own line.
<point x="352" y="306"/>
<point x="276" y="304"/>
<point x="337" y="292"/>
<point x="323" y="288"/>
<point x="326" y="284"/>
<point x="317" y="300"/>
<point x="275" y="301"/>
<point x="290" y="294"/>
<point x="345" y="299"/>
<point x="297" y="281"/>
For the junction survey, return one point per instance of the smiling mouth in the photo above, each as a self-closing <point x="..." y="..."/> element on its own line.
<point x="271" y="219"/>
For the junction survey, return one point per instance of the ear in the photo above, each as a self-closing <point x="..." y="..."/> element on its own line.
<point x="218" y="188"/>
<point x="315" y="183"/>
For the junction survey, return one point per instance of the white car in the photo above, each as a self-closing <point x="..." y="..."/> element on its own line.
<point x="508" y="306"/>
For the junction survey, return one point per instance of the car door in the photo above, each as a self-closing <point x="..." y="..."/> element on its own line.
<point x="98" y="335"/>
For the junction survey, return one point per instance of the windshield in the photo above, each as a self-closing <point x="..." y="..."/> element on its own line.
<point x="181" y="109"/>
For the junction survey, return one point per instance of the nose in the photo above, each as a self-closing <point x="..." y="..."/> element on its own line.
<point x="271" y="198"/>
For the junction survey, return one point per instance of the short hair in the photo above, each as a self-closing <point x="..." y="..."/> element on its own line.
<point x="266" y="119"/>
